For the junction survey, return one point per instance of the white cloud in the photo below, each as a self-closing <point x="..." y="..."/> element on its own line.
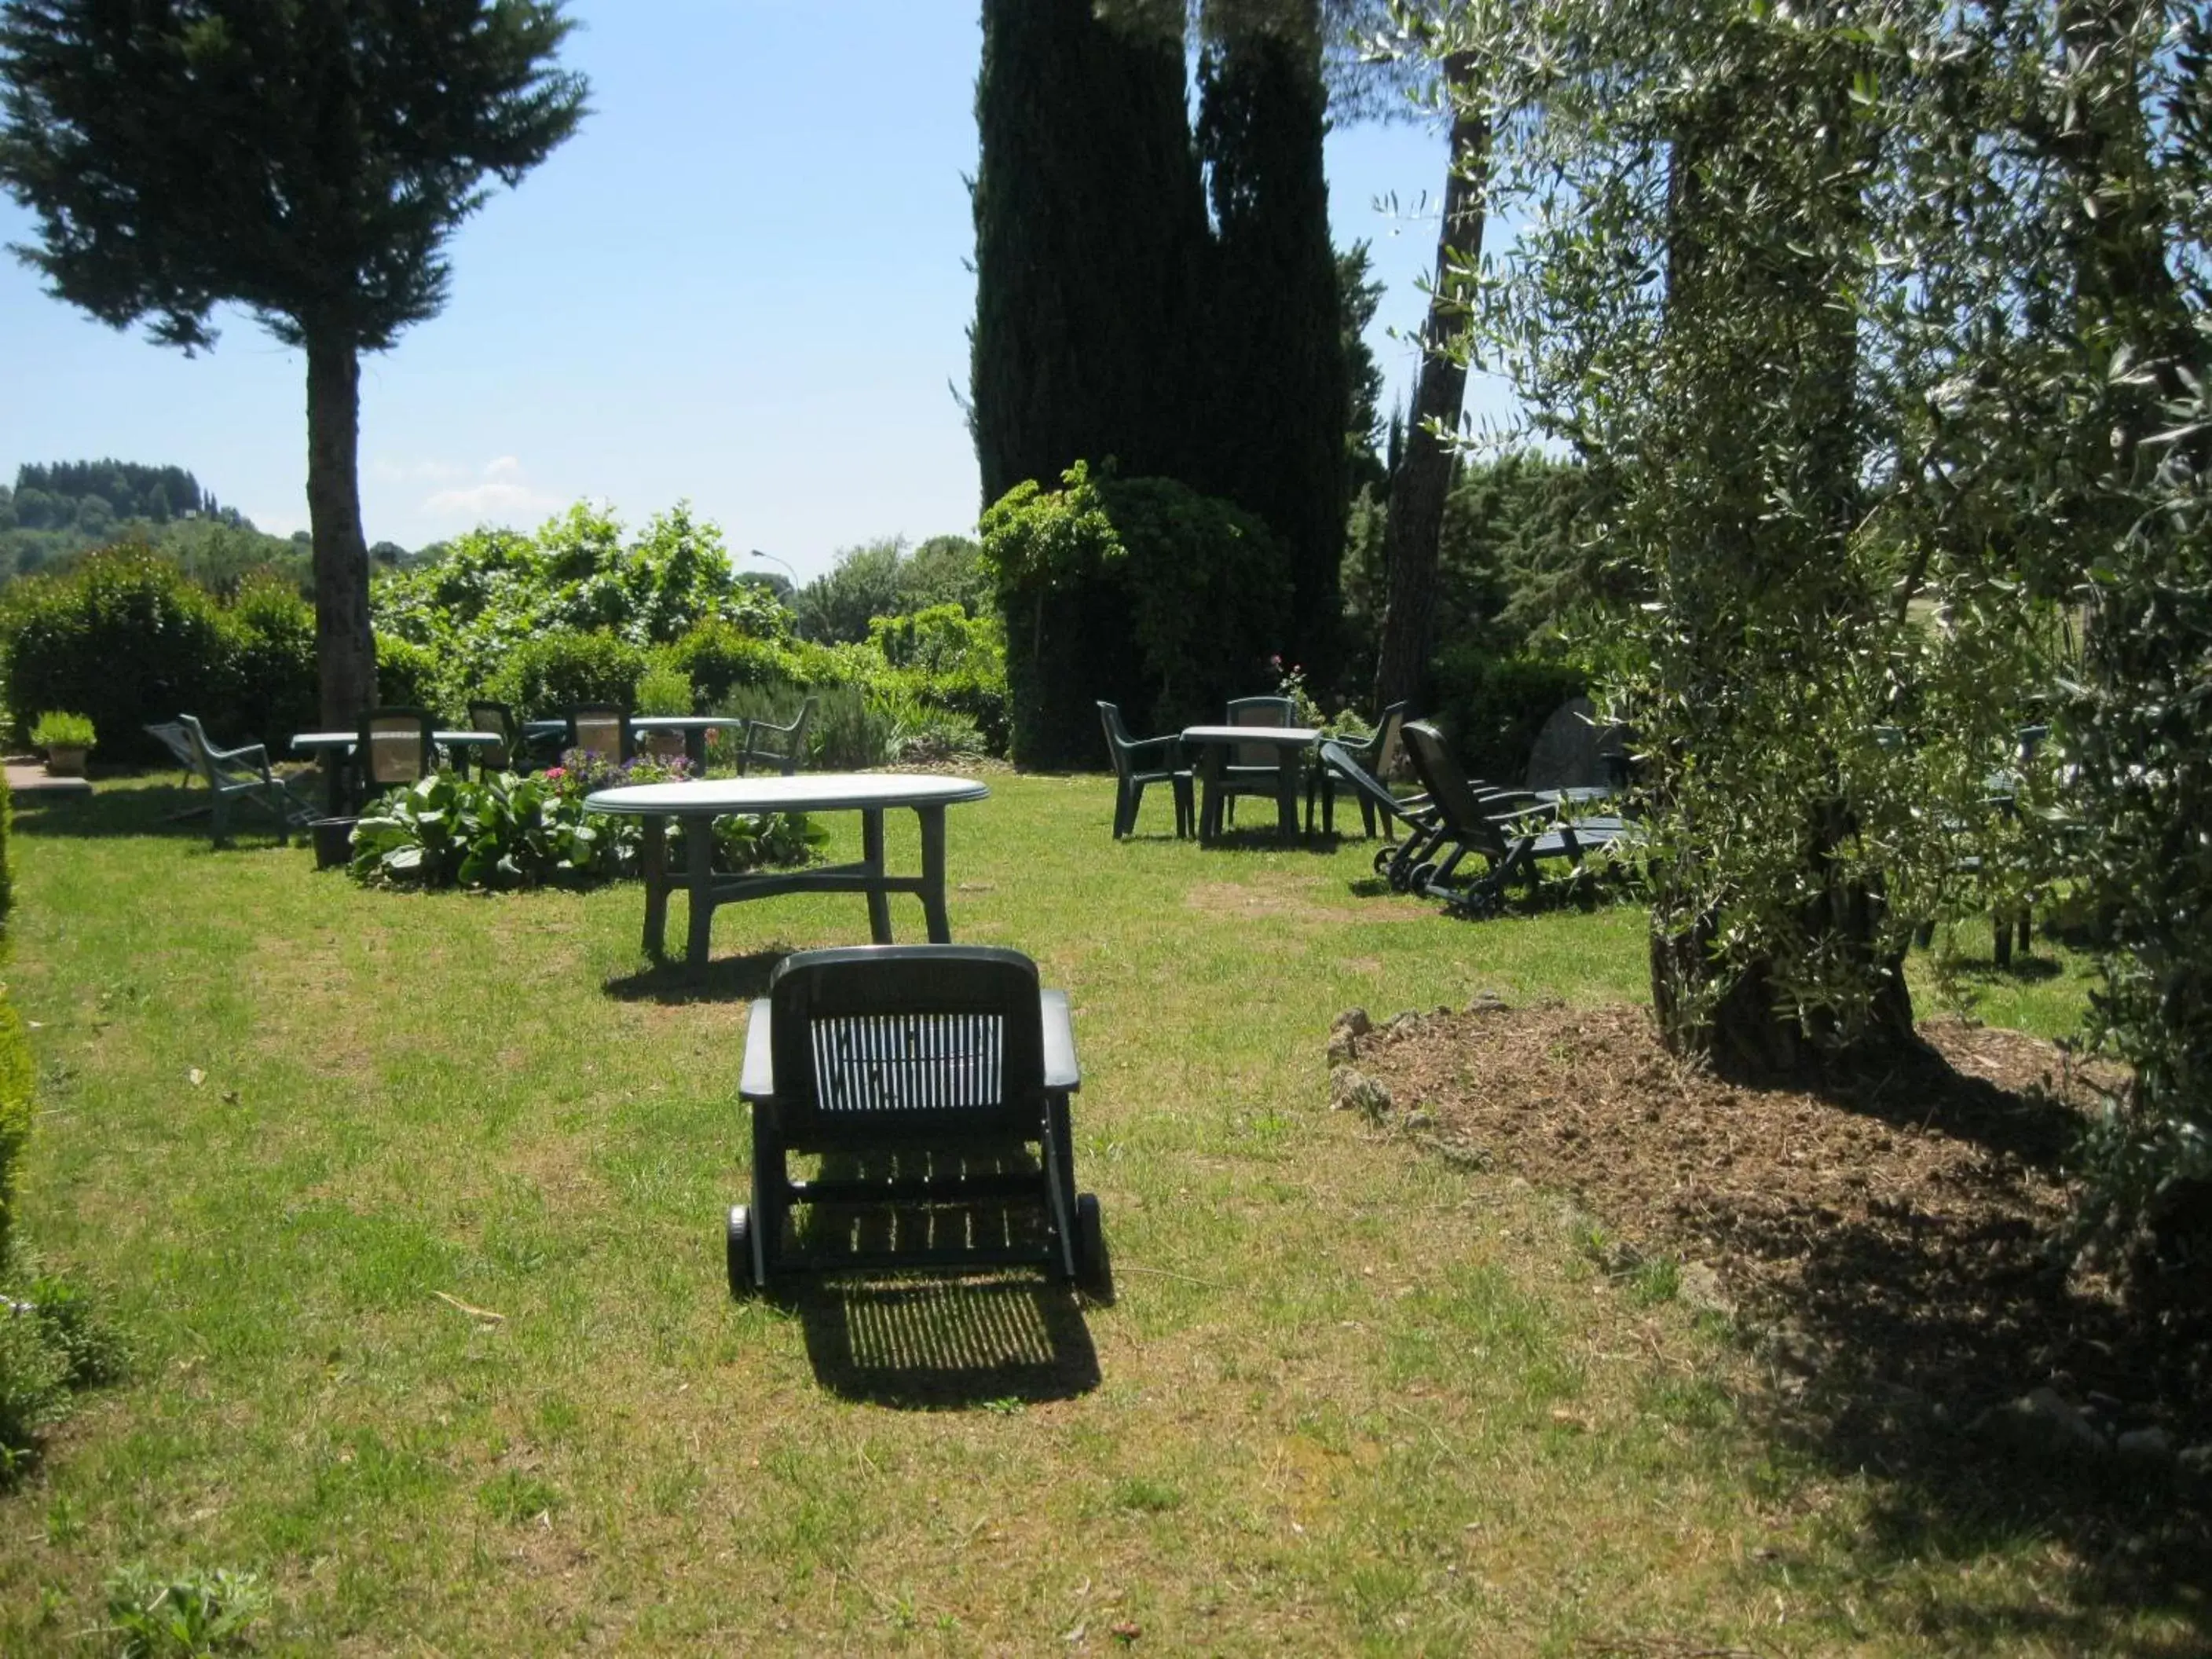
<point x="387" y="471"/>
<point x="502" y="490"/>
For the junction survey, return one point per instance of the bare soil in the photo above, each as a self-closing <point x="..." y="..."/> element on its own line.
<point x="1896" y="1228"/>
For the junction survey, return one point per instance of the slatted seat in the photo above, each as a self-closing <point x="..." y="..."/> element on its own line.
<point x="1513" y="834"/>
<point x="934" y="1081"/>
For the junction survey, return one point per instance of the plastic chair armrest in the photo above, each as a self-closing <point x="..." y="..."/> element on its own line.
<point x="1060" y="1070"/>
<point x="757" y="1080"/>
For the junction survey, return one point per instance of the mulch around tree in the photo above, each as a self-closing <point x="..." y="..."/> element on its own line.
<point x="1897" y="1229"/>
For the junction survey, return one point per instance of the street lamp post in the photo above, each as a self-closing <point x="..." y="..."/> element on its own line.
<point x="756" y="554"/>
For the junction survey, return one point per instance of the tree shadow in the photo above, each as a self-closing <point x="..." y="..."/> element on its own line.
<point x="1904" y="1335"/>
<point x="945" y="1345"/>
<point x="727" y="979"/>
<point x="161" y="810"/>
<point x="1319" y="844"/>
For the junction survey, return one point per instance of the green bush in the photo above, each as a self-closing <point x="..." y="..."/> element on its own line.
<point x="1138" y="592"/>
<point x="555" y="671"/>
<point x="408" y="676"/>
<point x="663" y="689"/>
<point x="1494" y="707"/>
<point x="126" y="638"/>
<point x="722" y="658"/>
<point x="273" y="634"/>
<point x="57" y="729"/>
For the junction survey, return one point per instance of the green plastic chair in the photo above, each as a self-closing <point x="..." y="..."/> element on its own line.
<point x="394" y="749"/>
<point x="241" y="773"/>
<point x="939" y="1075"/>
<point x="1373" y="757"/>
<point x="599" y="728"/>
<point x="1132" y="773"/>
<point x="506" y="756"/>
<point x="782" y="747"/>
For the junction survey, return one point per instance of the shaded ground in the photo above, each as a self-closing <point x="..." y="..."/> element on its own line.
<point x="1887" y="1244"/>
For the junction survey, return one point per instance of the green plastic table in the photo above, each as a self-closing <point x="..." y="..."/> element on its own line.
<point x="869" y="793"/>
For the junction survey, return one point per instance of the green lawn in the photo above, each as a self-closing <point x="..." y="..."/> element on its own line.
<point x="1349" y="1397"/>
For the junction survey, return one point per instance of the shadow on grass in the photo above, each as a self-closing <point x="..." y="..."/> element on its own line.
<point x="1912" y="1329"/>
<point x="728" y="979"/>
<point x="945" y="1345"/>
<point x="157" y="810"/>
<point x="1271" y="839"/>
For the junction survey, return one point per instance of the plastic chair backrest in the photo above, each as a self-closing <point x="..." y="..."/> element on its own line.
<point x="905" y="1041"/>
<point x="1448" y="786"/>
<point x="1260" y="711"/>
<point x="394" y="746"/>
<point x="599" y="728"/>
<point x="1119" y="743"/>
<point x="793" y="749"/>
<point x="495" y="717"/>
<point x="1379" y="754"/>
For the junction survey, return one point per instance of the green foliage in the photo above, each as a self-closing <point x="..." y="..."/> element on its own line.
<point x="864" y="583"/>
<point x="509" y="832"/>
<point x="57" y="729"/>
<point x="184" y="1615"/>
<point x="1138" y="592"/>
<point x="33" y="1385"/>
<point x="663" y="689"/>
<point x="943" y="658"/>
<point x="551" y="672"/>
<point x="1494" y="706"/>
<point x="720" y="657"/>
<point x="273" y="635"/>
<point x="505" y="831"/>
<point x="126" y="638"/>
<point x="494" y="592"/>
<point x="409" y="676"/>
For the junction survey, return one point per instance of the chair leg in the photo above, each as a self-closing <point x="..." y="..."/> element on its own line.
<point x="1186" y="814"/>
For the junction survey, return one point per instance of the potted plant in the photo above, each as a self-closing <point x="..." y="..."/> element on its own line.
<point x="66" y="739"/>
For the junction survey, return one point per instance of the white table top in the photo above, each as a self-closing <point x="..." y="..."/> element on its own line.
<point x="347" y="739"/>
<point x="687" y="722"/>
<point x="1275" y="734"/>
<point x="804" y="791"/>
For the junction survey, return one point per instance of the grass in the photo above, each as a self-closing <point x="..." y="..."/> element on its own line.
<point x="411" y="1205"/>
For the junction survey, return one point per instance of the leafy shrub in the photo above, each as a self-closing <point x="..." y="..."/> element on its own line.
<point x="496" y="590"/>
<point x="505" y="831"/>
<point x="554" y="670"/>
<point x="721" y="659"/>
<point x="508" y="831"/>
<point x="126" y="638"/>
<point x="663" y="689"/>
<point x="1139" y="592"/>
<point x="57" y="729"/>
<point x="850" y="731"/>
<point x="159" y="1615"/>
<point x="408" y="677"/>
<point x="33" y="1384"/>
<point x="273" y="632"/>
<point x="1494" y="707"/>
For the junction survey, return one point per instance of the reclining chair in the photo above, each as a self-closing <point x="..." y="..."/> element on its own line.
<point x="1513" y="833"/>
<point x="938" y="1076"/>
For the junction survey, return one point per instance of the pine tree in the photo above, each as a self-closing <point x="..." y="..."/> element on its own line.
<point x="307" y="160"/>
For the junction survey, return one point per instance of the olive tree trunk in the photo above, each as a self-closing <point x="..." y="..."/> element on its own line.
<point x="345" y="647"/>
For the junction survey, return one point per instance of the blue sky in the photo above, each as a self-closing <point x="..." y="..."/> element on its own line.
<point x="743" y="283"/>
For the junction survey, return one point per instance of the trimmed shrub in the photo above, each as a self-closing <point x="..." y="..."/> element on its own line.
<point x="273" y="633"/>
<point x="407" y="675"/>
<point x="721" y="659"/>
<point x="126" y="638"/>
<point x="1494" y="707"/>
<point x="554" y="670"/>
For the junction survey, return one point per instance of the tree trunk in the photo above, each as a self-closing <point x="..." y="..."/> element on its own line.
<point x="1411" y="533"/>
<point x="345" y="648"/>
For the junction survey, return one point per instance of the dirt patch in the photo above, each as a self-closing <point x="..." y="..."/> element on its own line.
<point x="1898" y="1227"/>
<point x="1292" y="900"/>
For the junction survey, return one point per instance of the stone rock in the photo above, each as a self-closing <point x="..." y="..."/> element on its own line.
<point x="2194" y="1461"/>
<point x="1700" y="1291"/>
<point x="1354" y="1091"/>
<point x="1787" y="1348"/>
<point x="2151" y="1445"/>
<point x="1405" y="1024"/>
<point x="1352" y="1022"/>
<point x="1487" y="1002"/>
<point x="2041" y="1421"/>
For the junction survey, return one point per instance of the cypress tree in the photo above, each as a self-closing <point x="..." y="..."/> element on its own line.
<point x="1281" y="393"/>
<point x="1089" y="236"/>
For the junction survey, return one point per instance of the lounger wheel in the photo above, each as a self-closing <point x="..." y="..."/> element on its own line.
<point x="1422" y="876"/>
<point x="1383" y="857"/>
<point x="1091" y="1271"/>
<point x="739" y="1246"/>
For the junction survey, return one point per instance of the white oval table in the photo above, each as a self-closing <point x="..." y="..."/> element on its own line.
<point x="869" y="793"/>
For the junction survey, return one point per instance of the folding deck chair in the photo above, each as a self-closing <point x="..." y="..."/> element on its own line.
<point x="934" y="1081"/>
<point x="1512" y="832"/>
